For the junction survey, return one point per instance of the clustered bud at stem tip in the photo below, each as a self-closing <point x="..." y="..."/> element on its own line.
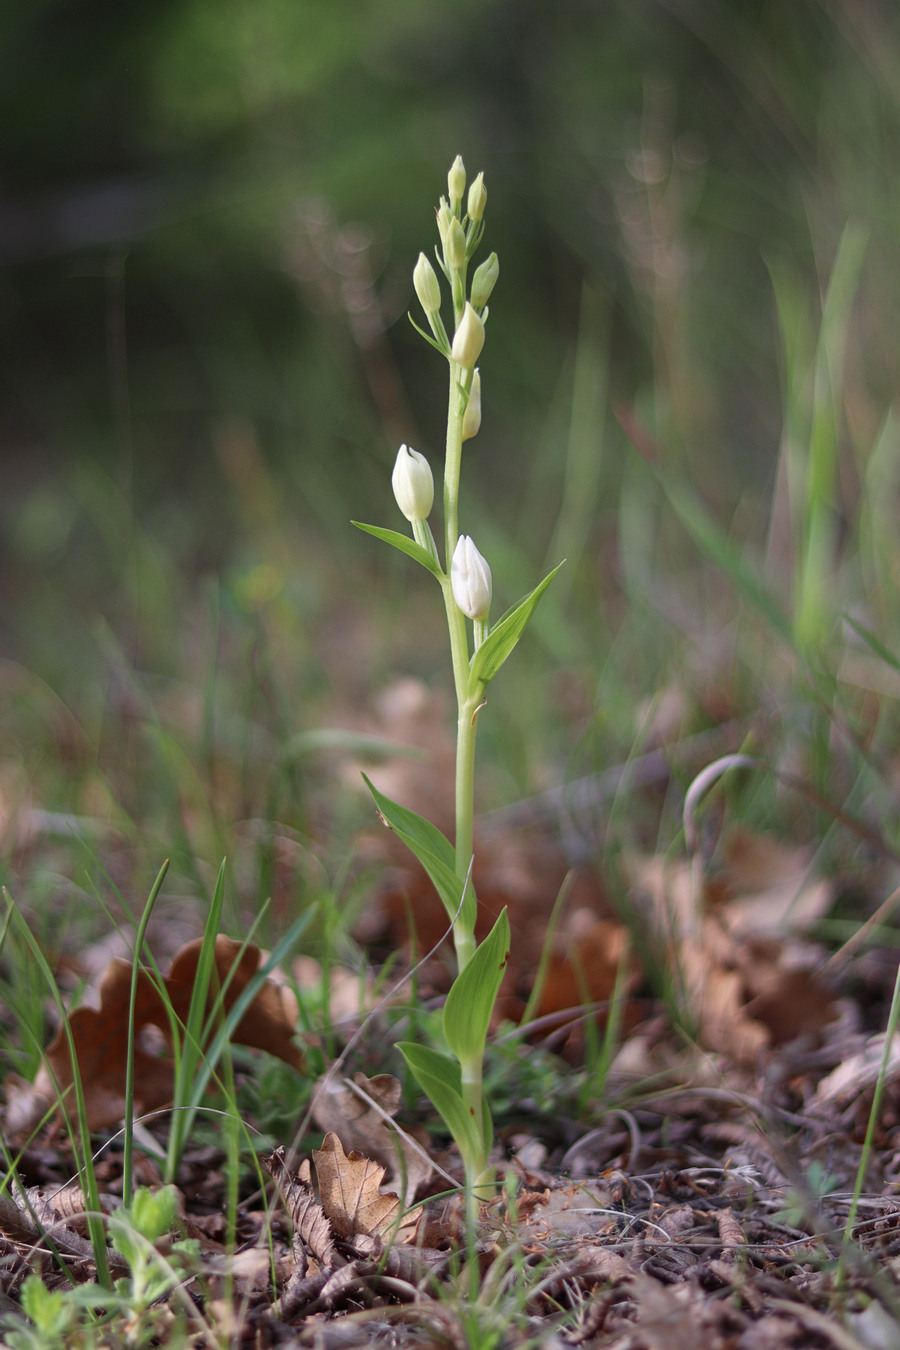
<point x="456" y="179"/>
<point x="413" y="484"/>
<point x="468" y="339"/>
<point x="477" y="200"/>
<point x="456" y="244"/>
<point x="470" y="578"/>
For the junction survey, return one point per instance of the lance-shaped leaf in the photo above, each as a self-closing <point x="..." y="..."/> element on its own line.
<point x="470" y="1002"/>
<point x="433" y="850"/>
<point x="440" y="1078"/>
<point x="504" y="635"/>
<point x="442" y="346"/>
<point x="404" y="544"/>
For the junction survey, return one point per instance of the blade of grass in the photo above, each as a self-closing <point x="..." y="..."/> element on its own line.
<point x="814" y="591"/>
<point x="87" y="1176"/>
<point x="128" y="1142"/>
<point x="890" y="1033"/>
<point x="537" y="987"/>
<point x="242" y="1003"/>
<point x="188" y="1060"/>
<point x="584" y="451"/>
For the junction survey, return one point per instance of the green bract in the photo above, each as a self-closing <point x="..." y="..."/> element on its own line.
<point x="504" y="635"/>
<point x="403" y="543"/>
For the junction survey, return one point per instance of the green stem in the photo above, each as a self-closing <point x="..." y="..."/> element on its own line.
<point x="464" y="937"/>
<point x="466" y="731"/>
<point x="453" y="462"/>
<point x="459" y="642"/>
<point x="476" y="1161"/>
<point x="472" y="1092"/>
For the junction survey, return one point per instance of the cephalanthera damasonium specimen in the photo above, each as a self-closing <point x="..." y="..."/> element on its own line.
<point x="477" y="650"/>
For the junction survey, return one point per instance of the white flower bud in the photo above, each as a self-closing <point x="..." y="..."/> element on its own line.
<point x="472" y="415"/>
<point x="484" y="281"/>
<point x="456" y="180"/>
<point x="477" y="199"/>
<point x="471" y="580"/>
<point x="413" y="484"/>
<point x="456" y="244"/>
<point x="444" y="217"/>
<point x="427" y="285"/>
<point x="468" y="339"/>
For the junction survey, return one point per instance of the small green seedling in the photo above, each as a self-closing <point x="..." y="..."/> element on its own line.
<point x="52" y="1314"/>
<point x="134" y="1311"/>
<point x="454" y="1081"/>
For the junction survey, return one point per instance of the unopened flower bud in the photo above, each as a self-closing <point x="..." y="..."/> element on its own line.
<point x="477" y="199"/>
<point x="471" y="580"/>
<point x="456" y="180"/>
<point x="472" y="415"/>
<point x="484" y="281"/>
<point x="468" y="339"/>
<point x="427" y="285"/>
<point x="456" y="244"/>
<point x="413" y="484"/>
<point x="444" y="217"/>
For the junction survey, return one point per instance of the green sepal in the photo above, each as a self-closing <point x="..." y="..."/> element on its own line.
<point x="440" y="1079"/>
<point x="433" y="850"/>
<point x="444" y="351"/>
<point x="470" y="1002"/>
<point x="474" y="239"/>
<point x="504" y="635"/>
<point x="404" y="544"/>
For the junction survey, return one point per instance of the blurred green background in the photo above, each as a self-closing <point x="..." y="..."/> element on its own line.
<point x="209" y="215"/>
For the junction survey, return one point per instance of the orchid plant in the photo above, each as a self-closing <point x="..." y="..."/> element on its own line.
<point x="477" y="649"/>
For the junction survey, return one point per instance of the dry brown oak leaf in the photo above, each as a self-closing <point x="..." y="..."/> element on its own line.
<point x="101" y="1034"/>
<point x="362" y="1127"/>
<point x="351" y="1195"/>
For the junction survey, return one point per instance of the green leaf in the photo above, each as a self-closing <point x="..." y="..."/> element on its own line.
<point x="504" y="635"/>
<point x="433" y="850"/>
<point x="154" y="1212"/>
<point x="404" y="544"/>
<point x="444" y="351"/>
<point x="470" y="1002"/>
<point x="50" y="1311"/>
<point x="440" y="1078"/>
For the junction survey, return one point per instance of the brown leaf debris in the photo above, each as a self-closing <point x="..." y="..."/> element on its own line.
<point x="349" y="1185"/>
<point x="359" y="1113"/>
<point x="101" y="1034"/>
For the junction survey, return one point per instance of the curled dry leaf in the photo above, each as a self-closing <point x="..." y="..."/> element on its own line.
<point x="730" y="1231"/>
<point x="364" y="1126"/>
<point x="351" y="1206"/>
<point x="746" y="991"/>
<point x="30" y="1219"/>
<point x="350" y="1188"/>
<point x="305" y="1212"/>
<point x="101" y="1034"/>
<point x="856" y="1075"/>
